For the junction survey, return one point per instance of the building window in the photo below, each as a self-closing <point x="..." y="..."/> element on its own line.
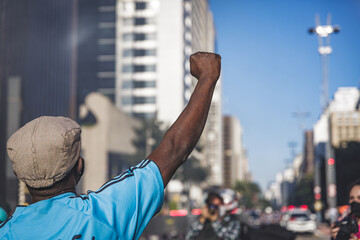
<point x="144" y="36"/>
<point x="126" y="100"/>
<point x="143" y="21"/>
<point x="144" y="68"/>
<point x="144" y="115"/>
<point x="139" y="52"/>
<point x="144" y="84"/>
<point x="138" y="36"/>
<point x="140" y="21"/>
<point x="107" y="33"/>
<point x="107" y="2"/>
<point x="138" y="68"/>
<point x="140" y="5"/>
<point x="106" y="49"/>
<point x="127" y="84"/>
<point x="127" y="68"/>
<point x="144" y="52"/>
<point x="127" y="52"/>
<point x="107" y="83"/>
<point x="107" y="66"/>
<point x="138" y="84"/>
<point x="107" y="17"/>
<point x="143" y="100"/>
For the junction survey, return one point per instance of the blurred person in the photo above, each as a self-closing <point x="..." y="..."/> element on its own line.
<point x="348" y="226"/>
<point x="45" y="154"/>
<point x="214" y="223"/>
<point x="267" y="216"/>
<point x="231" y="218"/>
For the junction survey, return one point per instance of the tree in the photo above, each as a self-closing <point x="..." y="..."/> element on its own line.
<point x="148" y="137"/>
<point x="249" y="192"/>
<point x="303" y="193"/>
<point x="192" y="171"/>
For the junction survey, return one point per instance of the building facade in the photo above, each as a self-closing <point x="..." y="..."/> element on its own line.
<point x="338" y="125"/>
<point x="235" y="167"/>
<point x="37" y="71"/>
<point x="154" y="41"/>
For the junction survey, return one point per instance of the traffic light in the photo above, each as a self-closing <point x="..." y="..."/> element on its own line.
<point x="331" y="161"/>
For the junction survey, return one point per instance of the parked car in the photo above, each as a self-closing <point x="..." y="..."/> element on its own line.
<point x="299" y="221"/>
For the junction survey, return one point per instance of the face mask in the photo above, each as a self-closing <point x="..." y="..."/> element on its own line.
<point x="355" y="209"/>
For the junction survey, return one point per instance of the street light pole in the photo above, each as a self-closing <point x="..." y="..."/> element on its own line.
<point x="323" y="32"/>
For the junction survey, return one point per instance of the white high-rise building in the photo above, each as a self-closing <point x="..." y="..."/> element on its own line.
<point x="154" y="41"/>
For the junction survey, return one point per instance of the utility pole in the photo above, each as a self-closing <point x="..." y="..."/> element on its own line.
<point x="323" y="32"/>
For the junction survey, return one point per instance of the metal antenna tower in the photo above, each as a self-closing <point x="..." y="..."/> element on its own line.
<point x="323" y="32"/>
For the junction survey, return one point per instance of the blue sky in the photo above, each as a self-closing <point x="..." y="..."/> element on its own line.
<point x="271" y="69"/>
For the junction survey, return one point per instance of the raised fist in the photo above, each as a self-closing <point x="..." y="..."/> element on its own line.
<point x="205" y="65"/>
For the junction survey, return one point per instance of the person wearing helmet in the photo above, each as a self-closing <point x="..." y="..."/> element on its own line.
<point x="231" y="206"/>
<point x="215" y="221"/>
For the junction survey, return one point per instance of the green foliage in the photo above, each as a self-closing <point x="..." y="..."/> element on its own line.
<point x="191" y="171"/>
<point x="249" y="192"/>
<point x="149" y="129"/>
<point x="303" y="193"/>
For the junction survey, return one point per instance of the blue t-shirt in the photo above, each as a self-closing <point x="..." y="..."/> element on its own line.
<point x="120" y="209"/>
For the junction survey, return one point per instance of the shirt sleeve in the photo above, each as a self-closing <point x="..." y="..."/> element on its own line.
<point x="129" y="201"/>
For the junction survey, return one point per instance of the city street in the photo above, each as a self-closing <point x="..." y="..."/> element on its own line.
<point x="316" y="236"/>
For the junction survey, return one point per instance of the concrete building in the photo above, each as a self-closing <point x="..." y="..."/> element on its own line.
<point x="155" y="39"/>
<point x="339" y="124"/>
<point x="235" y="165"/>
<point x="309" y="155"/>
<point x="106" y="141"/>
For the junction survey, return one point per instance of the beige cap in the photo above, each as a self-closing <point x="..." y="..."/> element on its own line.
<point x="45" y="150"/>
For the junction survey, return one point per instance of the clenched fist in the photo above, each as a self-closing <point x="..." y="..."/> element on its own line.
<point x="205" y="65"/>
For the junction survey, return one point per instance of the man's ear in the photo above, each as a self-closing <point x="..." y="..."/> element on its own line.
<point x="80" y="167"/>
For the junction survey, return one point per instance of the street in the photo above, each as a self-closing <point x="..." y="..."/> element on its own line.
<point x="166" y="227"/>
<point x="317" y="236"/>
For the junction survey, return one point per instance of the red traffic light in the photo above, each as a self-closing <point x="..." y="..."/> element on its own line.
<point x="317" y="196"/>
<point x="331" y="161"/>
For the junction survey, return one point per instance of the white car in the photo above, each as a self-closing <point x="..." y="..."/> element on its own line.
<point x="299" y="221"/>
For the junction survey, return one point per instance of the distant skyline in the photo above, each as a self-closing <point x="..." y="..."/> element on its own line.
<point x="271" y="70"/>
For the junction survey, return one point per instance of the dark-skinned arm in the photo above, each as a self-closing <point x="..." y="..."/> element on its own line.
<point x="181" y="138"/>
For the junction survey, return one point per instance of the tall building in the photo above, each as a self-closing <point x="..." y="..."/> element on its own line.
<point x="235" y="163"/>
<point x="203" y="38"/>
<point x="309" y="157"/>
<point x="155" y="39"/>
<point x="37" y="69"/>
<point x="339" y="125"/>
<point x="137" y="53"/>
<point x="96" y="48"/>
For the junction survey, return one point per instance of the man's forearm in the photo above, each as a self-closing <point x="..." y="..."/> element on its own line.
<point x="185" y="132"/>
<point x="183" y="135"/>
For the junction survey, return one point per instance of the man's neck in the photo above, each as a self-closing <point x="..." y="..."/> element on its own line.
<point x="39" y="196"/>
